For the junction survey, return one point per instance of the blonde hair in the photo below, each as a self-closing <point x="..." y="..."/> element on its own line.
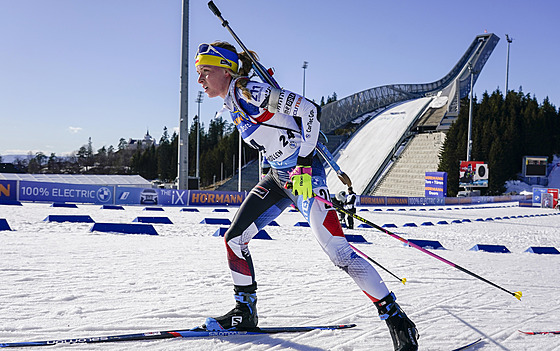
<point x="245" y="66"/>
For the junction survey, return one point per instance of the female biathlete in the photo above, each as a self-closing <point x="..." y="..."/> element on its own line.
<point x="285" y="127"/>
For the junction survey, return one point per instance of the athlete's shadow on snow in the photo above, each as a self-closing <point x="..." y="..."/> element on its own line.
<point x="486" y="338"/>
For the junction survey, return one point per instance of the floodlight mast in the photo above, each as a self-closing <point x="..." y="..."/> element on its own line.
<point x="183" y="159"/>
<point x="469" y="139"/>
<point x="198" y="100"/>
<point x="509" y="40"/>
<point x="305" y="64"/>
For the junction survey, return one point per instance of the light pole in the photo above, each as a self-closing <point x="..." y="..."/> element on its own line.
<point x="183" y="159"/>
<point x="239" y="163"/>
<point x="469" y="141"/>
<point x="509" y="40"/>
<point x="304" y="68"/>
<point x="198" y="101"/>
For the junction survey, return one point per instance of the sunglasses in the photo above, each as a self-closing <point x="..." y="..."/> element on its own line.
<point x="207" y="49"/>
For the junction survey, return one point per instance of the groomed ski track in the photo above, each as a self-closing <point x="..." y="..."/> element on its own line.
<point x="61" y="281"/>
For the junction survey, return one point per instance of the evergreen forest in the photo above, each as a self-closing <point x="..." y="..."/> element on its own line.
<point x="504" y="129"/>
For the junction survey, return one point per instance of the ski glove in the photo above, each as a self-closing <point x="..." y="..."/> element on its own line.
<point x="301" y="181"/>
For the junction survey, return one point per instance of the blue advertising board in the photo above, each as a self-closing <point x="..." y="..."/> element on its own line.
<point x="424" y="201"/>
<point x="436" y="184"/>
<point x="8" y="190"/>
<point x="174" y="197"/>
<point x="62" y="192"/>
<point x="132" y="196"/>
<point x="537" y="195"/>
<point x="397" y="200"/>
<point x="149" y="196"/>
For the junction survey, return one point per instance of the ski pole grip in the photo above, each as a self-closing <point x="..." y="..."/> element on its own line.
<point x="214" y="9"/>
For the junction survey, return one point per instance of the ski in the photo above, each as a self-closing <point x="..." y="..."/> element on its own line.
<point x="540" y="332"/>
<point x="197" y="332"/>
<point x="464" y="347"/>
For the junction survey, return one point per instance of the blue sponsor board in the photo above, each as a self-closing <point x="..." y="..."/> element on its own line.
<point x="423" y="201"/>
<point x="177" y="197"/>
<point x="135" y="196"/>
<point x="8" y="190"/>
<point x="62" y="192"/>
<point x="174" y="197"/>
<point x="538" y="194"/>
<point x="149" y="196"/>
<point x="436" y="184"/>
<point x="397" y="201"/>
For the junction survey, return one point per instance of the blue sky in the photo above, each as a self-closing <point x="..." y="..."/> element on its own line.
<point x="110" y="69"/>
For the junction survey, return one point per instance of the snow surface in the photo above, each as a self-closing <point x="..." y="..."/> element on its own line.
<point x="59" y="280"/>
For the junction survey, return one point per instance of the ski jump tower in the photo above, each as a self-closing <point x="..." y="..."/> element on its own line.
<point x="395" y="114"/>
<point x="455" y="85"/>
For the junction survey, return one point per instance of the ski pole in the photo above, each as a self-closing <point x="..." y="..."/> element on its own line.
<point x="402" y="280"/>
<point x="261" y="71"/>
<point x="325" y="153"/>
<point x="516" y="294"/>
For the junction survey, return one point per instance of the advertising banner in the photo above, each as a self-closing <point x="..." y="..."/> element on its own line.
<point x="366" y="200"/>
<point x="8" y="190"/>
<point x="397" y="200"/>
<point x="173" y="197"/>
<point x="546" y="200"/>
<point x="537" y="195"/>
<point x="215" y="198"/>
<point x="473" y="174"/>
<point x="62" y="192"/>
<point x="135" y="196"/>
<point x="435" y="184"/>
<point x="423" y="201"/>
<point x="150" y="196"/>
<point x="554" y="193"/>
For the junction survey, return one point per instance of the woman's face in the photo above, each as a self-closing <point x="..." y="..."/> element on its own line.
<point x="214" y="80"/>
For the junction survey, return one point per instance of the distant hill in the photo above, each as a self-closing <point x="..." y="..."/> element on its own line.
<point x="12" y="158"/>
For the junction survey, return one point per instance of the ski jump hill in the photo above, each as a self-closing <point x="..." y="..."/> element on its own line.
<point x="394" y="115"/>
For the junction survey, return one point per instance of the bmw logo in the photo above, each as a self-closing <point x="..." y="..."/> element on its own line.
<point x="104" y="194"/>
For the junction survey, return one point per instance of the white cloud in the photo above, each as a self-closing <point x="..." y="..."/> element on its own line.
<point x="75" y="130"/>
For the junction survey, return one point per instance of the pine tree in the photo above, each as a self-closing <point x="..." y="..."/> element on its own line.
<point x="164" y="158"/>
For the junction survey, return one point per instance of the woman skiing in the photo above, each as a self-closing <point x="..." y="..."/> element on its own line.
<point x="285" y="127"/>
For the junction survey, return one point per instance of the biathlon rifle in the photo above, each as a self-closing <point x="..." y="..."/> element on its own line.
<point x="266" y="76"/>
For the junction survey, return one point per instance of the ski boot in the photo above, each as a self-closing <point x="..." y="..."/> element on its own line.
<point x="243" y="316"/>
<point x="403" y="331"/>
